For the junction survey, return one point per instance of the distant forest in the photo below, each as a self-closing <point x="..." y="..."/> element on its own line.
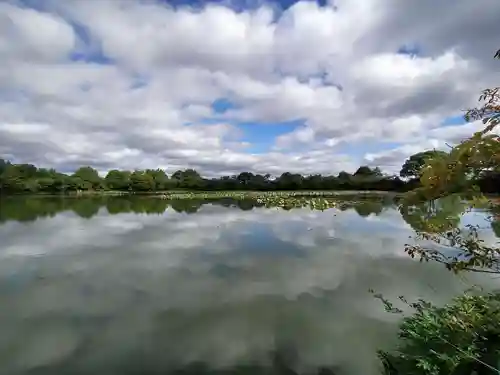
<point x="27" y="178"/>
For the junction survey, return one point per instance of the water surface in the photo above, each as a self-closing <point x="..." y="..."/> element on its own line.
<point x="148" y="286"/>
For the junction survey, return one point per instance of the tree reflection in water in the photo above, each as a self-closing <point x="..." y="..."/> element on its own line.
<point x="30" y="208"/>
<point x="438" y="215"/>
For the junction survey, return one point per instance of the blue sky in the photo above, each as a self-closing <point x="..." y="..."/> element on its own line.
<point x="453" y="120"/>
<point x="308" y="87"/>
<point x="237" y="5"/>
<point x="261" y="136"/>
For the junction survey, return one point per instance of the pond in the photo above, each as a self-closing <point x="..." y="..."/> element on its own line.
<point x="150" y="286"/>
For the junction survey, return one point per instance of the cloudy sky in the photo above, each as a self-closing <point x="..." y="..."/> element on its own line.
<point x="224" y="87"/>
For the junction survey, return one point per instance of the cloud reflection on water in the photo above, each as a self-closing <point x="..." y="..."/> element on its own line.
<point x="222" y="286"/>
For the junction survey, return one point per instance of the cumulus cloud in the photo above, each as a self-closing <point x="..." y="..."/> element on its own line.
<point x="439" y="138"/>
<point x="131" y="84"/>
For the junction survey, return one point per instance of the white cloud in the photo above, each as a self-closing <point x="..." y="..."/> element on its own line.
<point x="149" y="69"/>
<point x="437" y="138"/>
<point x="395" y="71"/>
<point x="31" y="35"/>
<point x="390" y="160"/>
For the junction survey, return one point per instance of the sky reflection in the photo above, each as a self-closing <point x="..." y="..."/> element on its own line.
<point x="221" y="286"/>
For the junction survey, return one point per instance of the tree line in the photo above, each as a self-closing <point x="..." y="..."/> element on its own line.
<point x="27" y="178"/>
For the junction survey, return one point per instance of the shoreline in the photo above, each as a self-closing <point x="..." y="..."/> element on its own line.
<point x="187" y="194"/>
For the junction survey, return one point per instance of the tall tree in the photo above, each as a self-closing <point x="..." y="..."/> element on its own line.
<point x="3" y="165"/>
<point x="412" y="167"/>
<point x="344" y="176"/>
<point x="119" y="180"/>
<point x="89" y="177"/>
<point x="290" y="181"/>
<point x="365" y="171"/>
<point x="160" y="178"/>
<point x="142" y="181"/>
<point x="245" y="177"/>
<point x="188" y="179"/>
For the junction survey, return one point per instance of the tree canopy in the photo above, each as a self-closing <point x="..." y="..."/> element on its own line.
<point x="26" y="178"/>
<point x="412" y="167"/>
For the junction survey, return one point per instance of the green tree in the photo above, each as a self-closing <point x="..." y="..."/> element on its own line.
<point x="118" y="180"/>
<point x="413" y="165"/>
<point x="46" y="184"/>
<point x="188" y="179"/>
<point x="160" y="178"/>
<point x="290" y="181"/>
<point x="344" y="176"/>
<point x="177" y="175"/>
<point x="46" y="173"/>
<point x="192" y="179"/>
<point x="12" y="179"/>
<point x="3" y="165"/>
<point x="25" y="171"/>
<point x="245" y="178"/>
<point x="259" y="182"/>
<point x="314" y="182"/>
<point x="366" y="171"/>
<point x="87" y="178"/>
<point x="142" y="181"/>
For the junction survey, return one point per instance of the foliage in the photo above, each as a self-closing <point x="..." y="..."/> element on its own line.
<point x="3" y="165"/>
<point x="365" y="171"/>
<point x="460" y="338"/>
<point x="160" y="178"/>
<point x="412" y="167"/>
<point x="142" y="181"/>
<point x="117" y="180"/>
<point x="462" y="171"/>
<point x="26" y="178"/>
<point x="88" y="178"/>
<point x="189" y="178"/>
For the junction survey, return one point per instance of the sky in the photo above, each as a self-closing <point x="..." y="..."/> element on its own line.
<point x="234" y="85"/>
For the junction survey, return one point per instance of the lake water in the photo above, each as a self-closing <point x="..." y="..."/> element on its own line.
<point x="147" y="286"/>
